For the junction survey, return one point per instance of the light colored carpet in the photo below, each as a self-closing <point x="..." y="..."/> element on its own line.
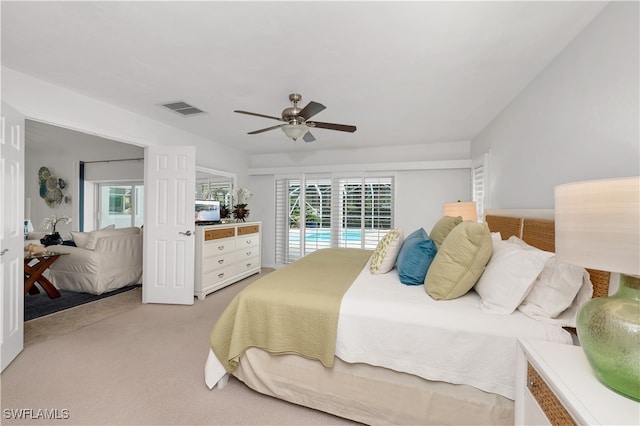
<point x="133" y="363"/>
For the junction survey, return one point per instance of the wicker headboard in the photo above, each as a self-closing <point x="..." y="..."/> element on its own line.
<point x="541" y="233"/>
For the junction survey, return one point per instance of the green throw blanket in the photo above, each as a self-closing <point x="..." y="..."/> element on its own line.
<point x="293" y="310"/>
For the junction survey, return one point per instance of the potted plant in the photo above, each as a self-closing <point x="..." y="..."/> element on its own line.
<point x="49" y="224"/>
<point x="240" y="210"/>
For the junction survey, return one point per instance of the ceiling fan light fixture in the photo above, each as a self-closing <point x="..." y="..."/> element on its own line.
<point x="295" y="131"/>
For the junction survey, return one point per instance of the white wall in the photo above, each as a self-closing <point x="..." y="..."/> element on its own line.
<point x="578" y="120"/>
<point x="420" y="195"/>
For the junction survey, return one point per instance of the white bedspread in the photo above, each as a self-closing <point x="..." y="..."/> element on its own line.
<point x="387" y="324"/>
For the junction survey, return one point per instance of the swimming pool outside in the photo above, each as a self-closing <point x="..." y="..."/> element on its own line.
<point x="320" y="238"/>
<point x="324" y="235"/>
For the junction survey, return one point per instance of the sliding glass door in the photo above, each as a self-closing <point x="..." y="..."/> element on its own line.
<point x="316" y="212"/>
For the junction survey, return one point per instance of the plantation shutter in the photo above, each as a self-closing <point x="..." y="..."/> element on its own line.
<point x="288" y="245"/>
<point x="480" y="182"/>
<point x="378" y="209"/>
<point x="349" y="229"/>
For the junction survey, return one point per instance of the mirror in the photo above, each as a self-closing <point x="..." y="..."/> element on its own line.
<point x="214" y="185"/>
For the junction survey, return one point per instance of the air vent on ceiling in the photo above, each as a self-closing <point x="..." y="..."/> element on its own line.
<point x="182" y="108"/>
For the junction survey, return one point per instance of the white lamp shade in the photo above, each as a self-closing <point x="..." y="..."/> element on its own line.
<point x="466" y="209"/>
<point x="295" y="131"/>
<point x="598" y="224"/>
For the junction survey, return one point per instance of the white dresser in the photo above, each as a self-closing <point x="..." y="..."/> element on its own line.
<point x="225" y="254"/>
<point x="556" y="385"/>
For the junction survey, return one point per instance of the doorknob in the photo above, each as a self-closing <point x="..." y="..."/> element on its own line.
<point x="188" y="233"/>
<point x="3" y="252"/>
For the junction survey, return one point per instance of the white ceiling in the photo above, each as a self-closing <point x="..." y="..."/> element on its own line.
<point x="404" y="73"/>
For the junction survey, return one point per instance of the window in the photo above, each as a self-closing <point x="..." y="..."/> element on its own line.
<point x="316" y="212"/>
<point x="121" y="204"/>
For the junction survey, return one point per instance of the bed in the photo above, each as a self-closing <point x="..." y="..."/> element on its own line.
<point x="400" y="357"/>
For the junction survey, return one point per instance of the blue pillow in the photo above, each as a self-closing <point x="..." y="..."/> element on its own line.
<point x="415" y="257"/>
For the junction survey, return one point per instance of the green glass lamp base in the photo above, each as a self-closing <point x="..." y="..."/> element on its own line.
<point x="609" y="332"/>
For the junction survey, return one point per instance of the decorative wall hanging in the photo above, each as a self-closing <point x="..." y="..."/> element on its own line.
<point x="50" y="187"/>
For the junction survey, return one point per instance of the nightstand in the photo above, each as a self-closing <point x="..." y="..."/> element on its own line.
<point x="556" y="385"/>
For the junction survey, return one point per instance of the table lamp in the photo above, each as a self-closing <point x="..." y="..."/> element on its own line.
<point x="466" y="209"/>
<point x="598" y="227"/>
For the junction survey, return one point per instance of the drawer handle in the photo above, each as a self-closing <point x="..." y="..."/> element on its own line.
<point x="220" y="247"/>
<point x="221" y="261"/>
<point x="220" y="275"/>
<point x="248" y="265"/>
<point x="248" y="253"/>
<point x="248" y="241"/>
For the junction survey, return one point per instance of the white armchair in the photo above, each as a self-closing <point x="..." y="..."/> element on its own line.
<point x="103" y="261"/>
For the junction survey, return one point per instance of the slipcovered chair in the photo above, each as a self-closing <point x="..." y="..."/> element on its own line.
<point x="101" y="261"/>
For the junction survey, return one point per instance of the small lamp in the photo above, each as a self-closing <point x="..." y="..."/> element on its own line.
<point x="295" y="131"/>
<point x="598" y="226"/>
<point x="466" y="209"/>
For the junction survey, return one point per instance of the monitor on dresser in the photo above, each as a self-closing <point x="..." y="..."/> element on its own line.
<point x="207" y="211"/>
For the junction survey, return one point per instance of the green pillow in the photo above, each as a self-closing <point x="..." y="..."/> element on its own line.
<point x="442" y="228"/>
<point x="459" y="262"/>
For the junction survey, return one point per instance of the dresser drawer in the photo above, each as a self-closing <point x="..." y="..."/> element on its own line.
<point x="211" y="264"/>
<point x="244" y="253"/>
<point x="244" y="241"/>
<point x="217" y="247"/>
<point x="248" y="229"/>
<point x="247" y="264"/>
<point x="218" y="275"/>
<point x="216" y="234"/>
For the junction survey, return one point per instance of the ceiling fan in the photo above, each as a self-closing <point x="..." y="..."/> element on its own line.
<point x="296" y="122"/>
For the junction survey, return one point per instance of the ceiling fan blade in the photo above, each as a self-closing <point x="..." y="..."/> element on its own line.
<point x="332" y="126"/>
<point x="255" y="132"/>
<point x="311" y="109"/>
<point x="259" y="115"/>
<point x="308" y="137"/>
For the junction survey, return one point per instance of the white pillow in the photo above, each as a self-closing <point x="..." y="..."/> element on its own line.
<point x="386" y="252"/>
<point x="568" y="317"/>
<point x="509" y="276"/>
<point x="94" y="236"/>
<point x="555" y="289"/>
<point x="80" y="239"/>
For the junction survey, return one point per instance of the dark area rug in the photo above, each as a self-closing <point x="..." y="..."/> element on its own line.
<point x="39" y="305"/>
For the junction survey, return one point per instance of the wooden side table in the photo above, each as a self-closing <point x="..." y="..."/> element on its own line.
<point x="33" y="274"/>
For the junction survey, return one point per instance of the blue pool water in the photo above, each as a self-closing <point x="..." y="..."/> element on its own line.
<point x="324" y="235"/>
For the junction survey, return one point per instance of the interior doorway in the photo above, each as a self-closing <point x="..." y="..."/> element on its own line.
<point x="61" y="150"/>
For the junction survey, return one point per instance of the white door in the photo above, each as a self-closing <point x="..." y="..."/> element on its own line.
<point x="169" y="240"/>
<point x="11" y="233"/>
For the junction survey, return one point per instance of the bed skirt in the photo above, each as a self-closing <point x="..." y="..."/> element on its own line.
<point x="370" y="395"/>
